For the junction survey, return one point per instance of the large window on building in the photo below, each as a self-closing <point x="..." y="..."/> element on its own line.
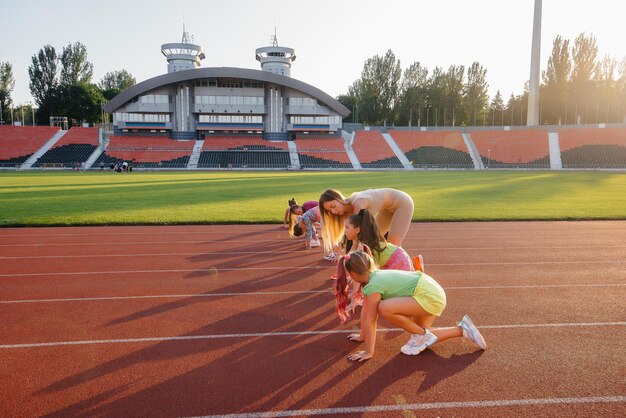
<point x="302" y="101"/>
<point x="154" y="99"/>
<point x="230" y="100"/>
<point x="245" y="119"/>
<point x="315" y="120"/>
<point x="141" y="117"/>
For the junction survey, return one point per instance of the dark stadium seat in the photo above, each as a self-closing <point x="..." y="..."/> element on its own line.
<point x="18" y="143"/>
<point x="373" y="151"/>
<point x="433" y="149"/>
<point x="593" y="147"/>
<point x="524" y="148"/>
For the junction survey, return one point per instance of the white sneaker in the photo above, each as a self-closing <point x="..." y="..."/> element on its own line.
<point x="418" y="343"/>
<point x="315" y="243"/>
<point x="330" y="257"/>
<point x="471" y="332"/>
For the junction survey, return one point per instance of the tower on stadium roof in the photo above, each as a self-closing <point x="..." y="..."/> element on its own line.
<point x="184" y="55"/>
<point x="276" y="59"/>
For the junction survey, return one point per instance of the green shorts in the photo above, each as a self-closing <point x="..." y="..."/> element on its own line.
<point x="430" y="295"/>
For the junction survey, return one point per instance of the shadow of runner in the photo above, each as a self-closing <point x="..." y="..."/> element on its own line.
<point x="414" y="374"/>
<point x="268" y="318"/>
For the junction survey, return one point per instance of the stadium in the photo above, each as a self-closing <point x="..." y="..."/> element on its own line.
<point x="236" y="118"/>
<point x="149" y="264"/>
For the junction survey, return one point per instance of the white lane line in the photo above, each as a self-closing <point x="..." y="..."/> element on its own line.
<point x="423" y="406"/>
<point x="283" y="268"/>
<point x="235" y="253"/>
<point x="265" y="240"/>
<point x="209" y="270"/>
<point x="286" y="334"/>
<point x="293" y="292"/>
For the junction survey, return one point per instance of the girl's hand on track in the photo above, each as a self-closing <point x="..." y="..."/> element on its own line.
<point x="360" y="356"/>
<point x="356" y="337"/>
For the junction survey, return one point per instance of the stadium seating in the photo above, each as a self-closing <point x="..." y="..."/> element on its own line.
<point x="433" y="149"/>
<point x="322" y="152"/>
<point x="17" y="143"/>
<point x="593" y="147"/>
<point x="147" y="152"/>
<point x="527" y="148"/>
<point x="243" y="152"/>
<point x="373" y="151"/>
<point x="73" y="149"/>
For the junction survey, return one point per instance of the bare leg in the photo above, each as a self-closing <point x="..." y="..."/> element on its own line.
<point x="407" y="313"/>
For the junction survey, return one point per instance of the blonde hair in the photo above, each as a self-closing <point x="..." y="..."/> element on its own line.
<point x="333" y="226"/>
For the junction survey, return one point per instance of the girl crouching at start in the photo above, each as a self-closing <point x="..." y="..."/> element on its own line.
<point x="409" y="300"/>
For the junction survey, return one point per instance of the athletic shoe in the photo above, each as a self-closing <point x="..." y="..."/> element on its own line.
<point x="330" y="257"/>
<point x="470" y="331"/>
<point x="418" y="263"/>
<point x="315" y="243"/>
<point x="418" y="343"/>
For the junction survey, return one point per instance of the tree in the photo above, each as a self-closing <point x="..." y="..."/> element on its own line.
<point x="413" y="92"/>
<point x="497" y="108"/>
<point x="80" y="101"/>
<point x="7" y="83"/>
<point x="74" y="65"/>
<point x="350" y="102"/>
<point x="556" y="82"/>
<point x="379" y="88"/>
<point x="113" y="83"/>
<point x="453" y="94"/>
<point x="475" y="92"/>
<point x="43" y="74"/>
<point x="584" y="55"/>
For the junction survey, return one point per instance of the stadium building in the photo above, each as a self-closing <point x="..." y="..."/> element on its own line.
<point x="190" y="102"/>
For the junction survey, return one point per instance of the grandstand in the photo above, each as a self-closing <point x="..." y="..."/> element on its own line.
<point x="433" y="149"/>
<point x="322" y="152"/>
<point x="146" y="152"/>
<point x="243" y="152"/>
<point x="593" y="147"/>
<point x="373" y="151"/>
<point x="18" y="143"/>
<point x="73" y="149"/>
<point x="525" y="148"/>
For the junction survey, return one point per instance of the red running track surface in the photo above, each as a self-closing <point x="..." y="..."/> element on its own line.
<point x="219" y="320"/>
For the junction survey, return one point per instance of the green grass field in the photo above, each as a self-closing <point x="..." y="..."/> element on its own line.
<point x="99" y="198"/>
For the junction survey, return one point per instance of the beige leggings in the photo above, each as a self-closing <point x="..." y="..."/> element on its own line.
<point x="396" y="223"/>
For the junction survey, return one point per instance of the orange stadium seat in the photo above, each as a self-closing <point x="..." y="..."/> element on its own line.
<point x="433" y="149"/>
<point x="17" y="143"/>
<point x="373" y="151"/>
<point x="593" y="147"/>
<point x="525" y="148"/>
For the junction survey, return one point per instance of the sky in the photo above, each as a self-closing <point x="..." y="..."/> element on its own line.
<point x="332" y="39"/>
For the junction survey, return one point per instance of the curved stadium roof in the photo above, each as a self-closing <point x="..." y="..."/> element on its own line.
<point x="227" y="72"/>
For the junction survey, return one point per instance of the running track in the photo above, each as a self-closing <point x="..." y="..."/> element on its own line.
<point x="218" y="320"/>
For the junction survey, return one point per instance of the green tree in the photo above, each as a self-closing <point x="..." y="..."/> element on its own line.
<point x="7" y="83"/>
<point x="350" y="102"/>
<point x="584" y="66"/>
<point x="556" y="82"/>
<point x="413" y="92"/>
<point x="43" y="74"/>
<point x="379" y="88"/>
<point x="113" y="83"/>
<point x="74" y="65"/>
<point x="475" y="93"/>
<point x="496" y="108"/>
<point x="453" y="95"/>
<point x="80" y="101"/>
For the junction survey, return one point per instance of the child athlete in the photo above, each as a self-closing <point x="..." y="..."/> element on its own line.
<point x="307" y="224"/>
<point x="409" y="300"/>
